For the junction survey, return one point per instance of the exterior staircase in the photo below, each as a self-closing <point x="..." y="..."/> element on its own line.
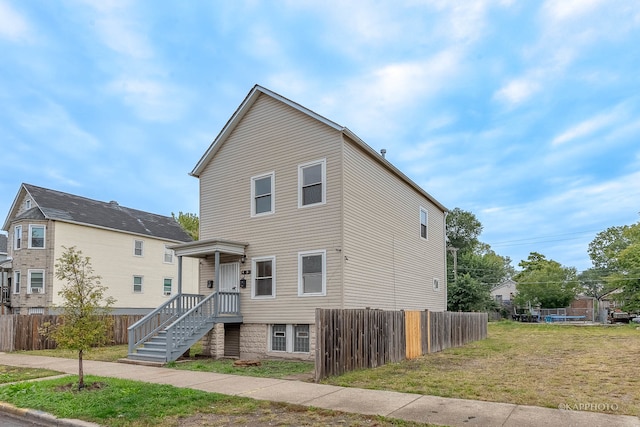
<point x="170" y="330"/>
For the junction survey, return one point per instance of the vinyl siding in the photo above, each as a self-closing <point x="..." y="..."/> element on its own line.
<point x="273" y="137"/>
<point x="112" y="258"/>
<point x="389" y="265"/>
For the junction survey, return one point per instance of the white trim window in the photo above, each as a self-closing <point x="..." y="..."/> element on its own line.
<point x="138" y="248"/>
<point x="167" y="286"/>
<point x="17" y="237"/>
<point x="289" y="338"/>
<point x="35" y="282"/>
<point x="168" y="255"/>
<point x="264" y="277"/>
<point x="312" y="273"/>
<point x="16" y="282"/>
<point x="36" y="236"/>
<point x="263" y="201"/>
<point x="424" y="223"/>
<point x="137" y="284"/>
<point x="312" y="186"/>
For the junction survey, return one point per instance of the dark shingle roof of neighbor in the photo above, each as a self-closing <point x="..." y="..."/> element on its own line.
<point x="3" y="244"/>
<point x="56" y="205"/>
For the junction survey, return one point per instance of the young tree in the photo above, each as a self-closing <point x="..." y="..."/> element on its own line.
<point x="189" y="223"/>
<point x="84" y="322"/>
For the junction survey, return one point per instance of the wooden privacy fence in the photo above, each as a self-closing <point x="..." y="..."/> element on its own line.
<point x="354" y="339"/>
<point x="21" y="332"/>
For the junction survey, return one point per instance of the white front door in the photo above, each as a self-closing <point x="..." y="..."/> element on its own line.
<point x="229" y="277"/>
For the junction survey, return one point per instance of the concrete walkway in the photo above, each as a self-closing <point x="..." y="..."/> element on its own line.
<point x="405" y="406"/>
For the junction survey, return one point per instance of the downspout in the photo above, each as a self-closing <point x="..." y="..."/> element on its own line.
<point x="446" y="285"/>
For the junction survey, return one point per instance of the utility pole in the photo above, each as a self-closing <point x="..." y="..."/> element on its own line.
<point x="455" y="262"/>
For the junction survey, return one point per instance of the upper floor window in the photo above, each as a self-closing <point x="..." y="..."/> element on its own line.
<point x="312" y="183"/>
<point x="36" y="236"/>
<point x="311" y="273"/>
<point x="424" y="217"/>
<point x="36" y="282"/>
<point x="137" y="284"/>
<point x="168" y="255"/>
<point x="28" y="203"/>
<point x="138" y="247"/>
<point x="264" y="285"/>
<point x="17" y="237"/>
<point x="262" y="194"/>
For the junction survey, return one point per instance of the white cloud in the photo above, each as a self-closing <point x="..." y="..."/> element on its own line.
<point x="150" y="99"/>
<point x="518" y="91"/>
<point x="13" y="26"/>
<point x="587" y="127"/>
<point x="570" y="9"/>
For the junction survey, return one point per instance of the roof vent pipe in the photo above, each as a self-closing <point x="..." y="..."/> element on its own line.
<point x="383" y="152"/>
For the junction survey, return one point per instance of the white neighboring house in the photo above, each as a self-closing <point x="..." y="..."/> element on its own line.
<point x="504" y="292"/>
<point x="128" y="249"/>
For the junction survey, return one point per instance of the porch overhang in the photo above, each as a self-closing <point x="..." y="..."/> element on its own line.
<point x="205" y="248"/>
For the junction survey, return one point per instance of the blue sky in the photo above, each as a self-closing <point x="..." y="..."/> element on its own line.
<point x="525" y="113"/>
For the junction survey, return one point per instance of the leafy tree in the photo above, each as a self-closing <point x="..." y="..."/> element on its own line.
<point x="189" y="223"/>
<point x="468" y="294"/>
<point x="595" y="283"/>
<point x="84" y="322"/>
<point x="628" y="276"/>
<point x="606" y="246"/>
<point x="545" y="283"/>
<point x="463" y="230"/>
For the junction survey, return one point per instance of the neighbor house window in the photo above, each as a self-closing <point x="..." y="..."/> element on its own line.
<point x="36" y="282"/>
<point x="279" y="338"/>
<point x="166" y="290"/>
<point x="17" y="237"/>
<point x="424" y="217"/>
<point x="436" y="284"/>
<point x="28" y="203"/>
<point x="168" y="255"/>
<point x="264" y="284"/>
<point x="301" y="338"/>
<point x="262" y="194"/>
<point x="16" y="282"/>
<point x="137" y="284"/>
<point x="311" y="273"/>
<point x="36" y="236"/>
<point x="138" y="247"/>
<point x="312" y="183"/>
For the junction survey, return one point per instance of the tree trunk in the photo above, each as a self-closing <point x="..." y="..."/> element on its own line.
<point x="80" y="371"/>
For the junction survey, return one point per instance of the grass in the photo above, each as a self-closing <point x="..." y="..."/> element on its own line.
<point x="124" y="403"/>
<point x="528" y="364"/>
<point x="103" y="354"/>
<point x="267" y="368"/>
<point x="10" y="374"/>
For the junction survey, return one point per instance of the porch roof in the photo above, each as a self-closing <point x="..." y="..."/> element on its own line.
<point x="204" y="248"/>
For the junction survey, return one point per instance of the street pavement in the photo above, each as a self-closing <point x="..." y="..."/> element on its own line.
<point x="405" y="406"/>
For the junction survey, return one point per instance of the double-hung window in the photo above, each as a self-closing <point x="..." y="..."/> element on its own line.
<point x="138" y="247"/>
<point x="263" y="194"/>
<point x="16" y="282"/>
<point x="289" y="338"/>
<point x="424" y="218"/>
<point x="312" y="183"/>
<point x="36" y="236"/>
<point x="17" y="237"/>
<point x="36" y="282"/>
<point x="264" y="284"/>
<point x="137" y="284"/>
<point x="166" y="289"/>
<point x="168" y="255"/>
<point x="311" y="273"/>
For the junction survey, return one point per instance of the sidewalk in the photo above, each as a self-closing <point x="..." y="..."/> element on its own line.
<point x="405" y="406"/>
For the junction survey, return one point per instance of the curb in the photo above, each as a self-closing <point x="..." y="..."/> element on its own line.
<point x="43" y="417"/>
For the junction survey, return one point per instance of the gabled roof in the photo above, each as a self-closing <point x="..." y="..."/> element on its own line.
<point x="251" y="98"/>
<point x="59" y="206"/>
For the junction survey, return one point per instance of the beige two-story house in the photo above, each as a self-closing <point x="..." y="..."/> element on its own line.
<point x="298" y="213"/>
<point x="128" y="248"/>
